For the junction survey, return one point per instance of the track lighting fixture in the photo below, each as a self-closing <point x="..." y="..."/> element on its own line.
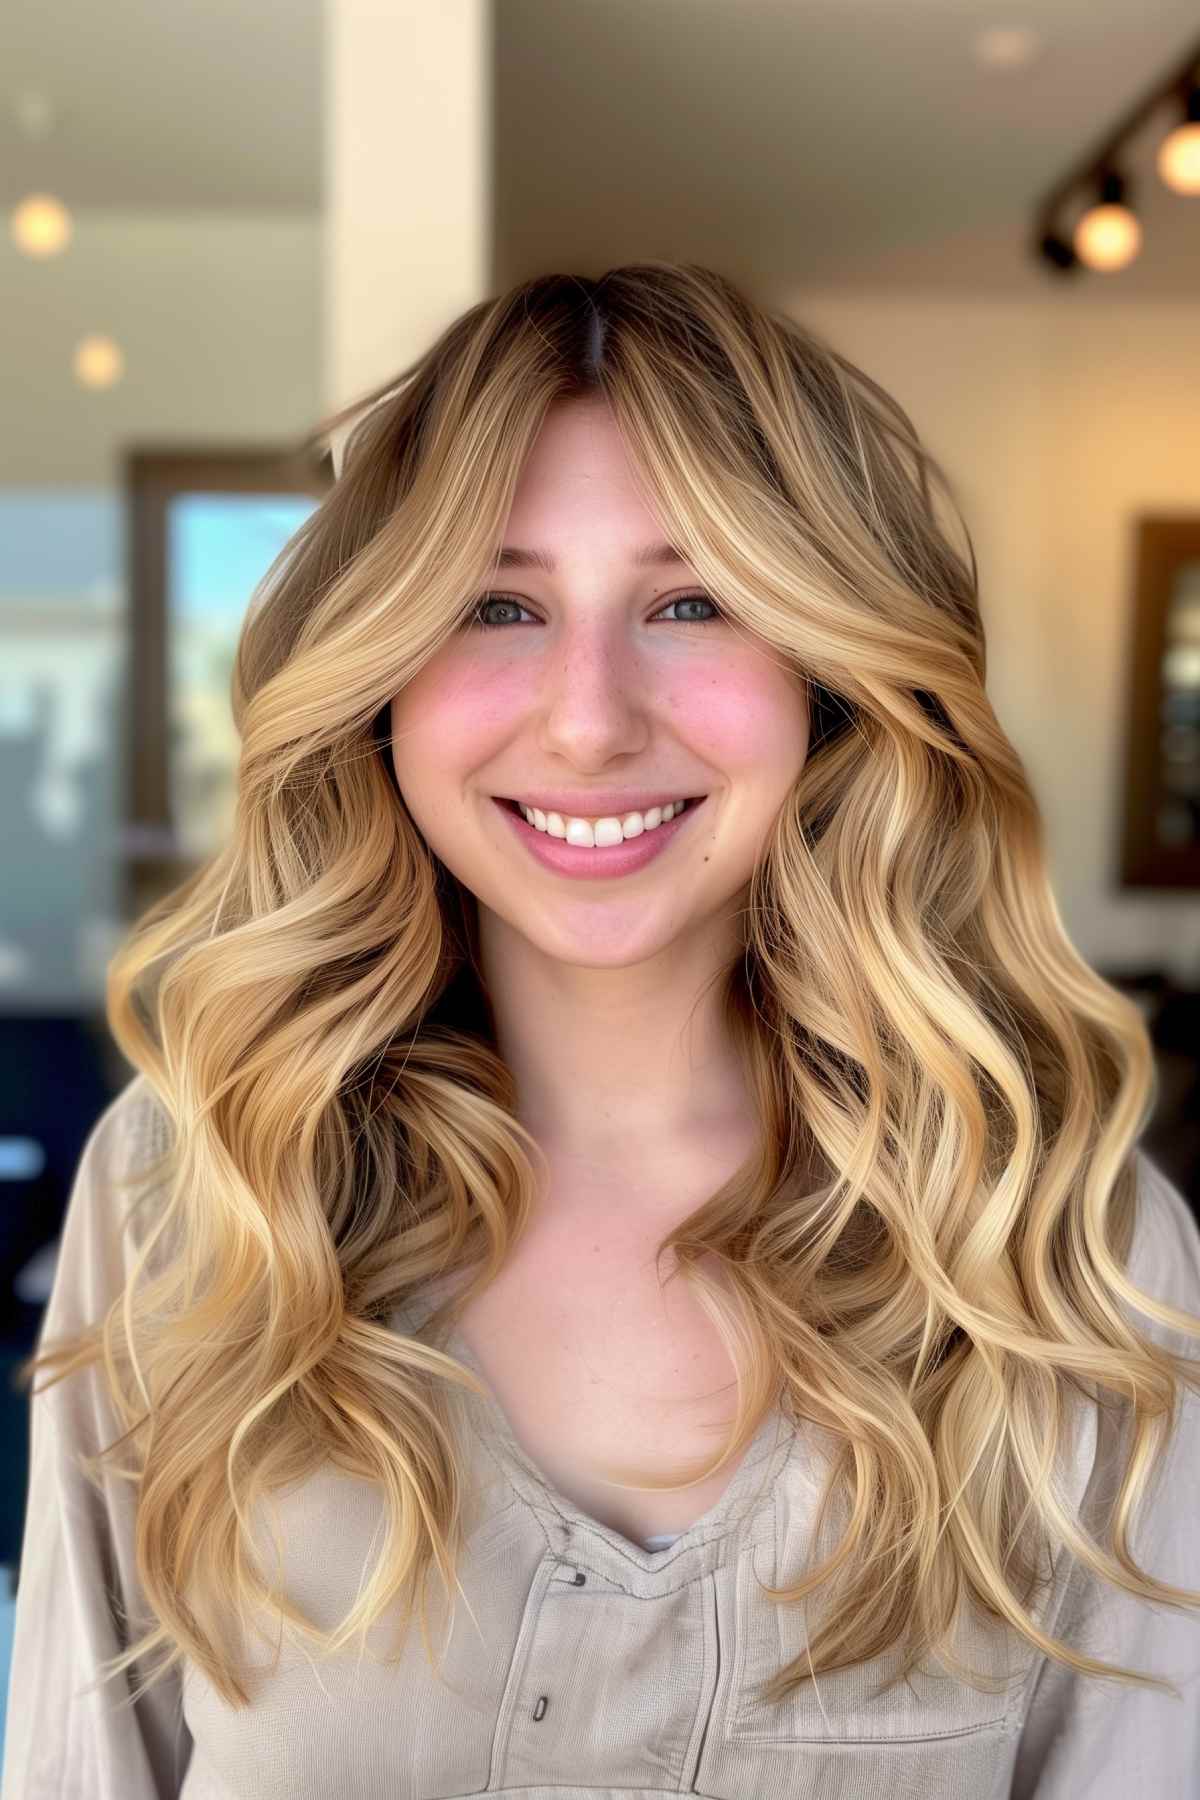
<point x="1106" y="235"/>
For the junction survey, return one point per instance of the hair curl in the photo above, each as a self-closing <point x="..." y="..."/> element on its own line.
<point x="308" y="1009"/>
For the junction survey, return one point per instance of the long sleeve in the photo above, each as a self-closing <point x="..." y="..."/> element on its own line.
<point x="1102" y="1738"/>
<point x="78" y="1600"/>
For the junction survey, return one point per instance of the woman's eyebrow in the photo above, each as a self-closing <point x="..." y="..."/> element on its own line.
<point x="649" y="556"/>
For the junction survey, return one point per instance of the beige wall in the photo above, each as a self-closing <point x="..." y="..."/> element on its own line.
<point x="1058" y="422"/>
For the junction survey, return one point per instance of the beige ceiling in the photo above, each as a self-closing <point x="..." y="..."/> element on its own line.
<point x="816" y="141"/>
<point x="166" y="104"/>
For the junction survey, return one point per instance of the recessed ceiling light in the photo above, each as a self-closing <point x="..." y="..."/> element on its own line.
<point x="98" y="362"/>
<point x="40" y="225"/>
<point x="1006" y="46"/>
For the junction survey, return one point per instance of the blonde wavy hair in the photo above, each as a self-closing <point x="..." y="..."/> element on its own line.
<point x="917" y="1028"/>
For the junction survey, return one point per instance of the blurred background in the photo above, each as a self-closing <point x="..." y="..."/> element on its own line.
<point x="223" y="221"/>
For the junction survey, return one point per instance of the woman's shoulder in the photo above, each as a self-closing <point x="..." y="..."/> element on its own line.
<point x="109" y="1209"/>
<point x="132" y="1131"/>
<point x="1164" y="1259"/>
<point x="1164" y="1265"/>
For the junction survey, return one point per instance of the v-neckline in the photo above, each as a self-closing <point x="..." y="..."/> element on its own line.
<point x="535" y="1487"/>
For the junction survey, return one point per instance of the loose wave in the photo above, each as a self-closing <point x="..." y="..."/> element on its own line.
<point x="307" y="1011"/>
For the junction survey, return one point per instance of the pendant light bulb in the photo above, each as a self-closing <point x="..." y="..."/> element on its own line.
<point x="1108" y="236"/>
<point x="1178" y="159"/>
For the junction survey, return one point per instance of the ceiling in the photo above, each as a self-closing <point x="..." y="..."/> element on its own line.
<point x="166" y="104"/>
<point x="802" y="143"/>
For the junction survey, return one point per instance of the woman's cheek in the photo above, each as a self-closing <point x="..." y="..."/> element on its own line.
<point x="742" y="719"/>
<point x="457" y="707"/>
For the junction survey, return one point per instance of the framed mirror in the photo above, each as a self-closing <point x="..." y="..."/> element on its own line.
<point x="1161" y="830"/>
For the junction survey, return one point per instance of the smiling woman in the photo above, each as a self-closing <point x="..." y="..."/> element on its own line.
<point x="874" y="1487"/>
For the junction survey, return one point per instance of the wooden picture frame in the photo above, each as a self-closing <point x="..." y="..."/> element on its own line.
<point x="1160" y="845"/>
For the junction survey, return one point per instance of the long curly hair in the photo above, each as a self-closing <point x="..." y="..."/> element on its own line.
<point x="916" y="1027"/>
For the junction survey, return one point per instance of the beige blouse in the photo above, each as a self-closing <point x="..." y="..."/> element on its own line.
<point x="586" y="1663"/>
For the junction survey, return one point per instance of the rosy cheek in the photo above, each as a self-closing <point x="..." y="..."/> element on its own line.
<point x="737" y="718"/>
<point x="460" y="708"/>
<point x="493" y="698"/>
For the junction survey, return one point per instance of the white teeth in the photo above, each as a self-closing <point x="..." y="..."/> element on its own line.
<point x="588" y="833"/>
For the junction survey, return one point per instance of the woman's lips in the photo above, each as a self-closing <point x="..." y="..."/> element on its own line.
<point x="598" y="861"/>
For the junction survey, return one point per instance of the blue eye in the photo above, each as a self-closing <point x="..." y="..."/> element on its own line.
<point x="491" y="600"/>
<point x="475" y="620"/>
<point x="694" y="600"/>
